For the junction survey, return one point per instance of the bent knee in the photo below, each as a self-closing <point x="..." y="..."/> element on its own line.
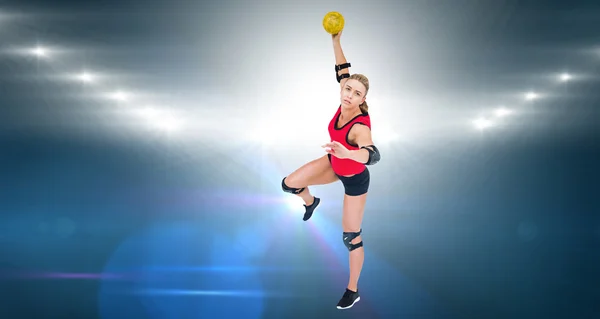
<point x="292" y="189"/>
<point x="293" y="181"/>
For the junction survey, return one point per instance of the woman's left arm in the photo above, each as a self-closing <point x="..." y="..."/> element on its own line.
<point x="367" y="153"/>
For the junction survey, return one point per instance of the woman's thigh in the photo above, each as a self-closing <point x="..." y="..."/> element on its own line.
<point x="315" y="172"/>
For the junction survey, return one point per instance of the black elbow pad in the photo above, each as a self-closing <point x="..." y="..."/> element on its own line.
<point x="339" y="67"/>
<point x="374" y="155"/>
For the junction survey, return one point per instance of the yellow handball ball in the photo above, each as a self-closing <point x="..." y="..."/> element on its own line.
<point x="333" y="22"/>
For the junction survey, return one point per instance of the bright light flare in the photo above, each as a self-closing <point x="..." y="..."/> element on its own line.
<point x="565" y="77"/>
<point x="482" y="123"/>
<point x="86" y="77"/>
<point x="293" y="202"/>
<point x="531" y="96"/>
<point x="502" y="111"/>
<point x="39" y="52"/>
<point x="120" y="96"/>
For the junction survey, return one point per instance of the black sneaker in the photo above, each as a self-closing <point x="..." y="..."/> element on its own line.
<point x="348" y="300"/>
<point x="311" y="208"/>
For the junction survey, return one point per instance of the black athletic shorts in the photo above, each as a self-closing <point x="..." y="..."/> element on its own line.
<point x="355" y="185"/>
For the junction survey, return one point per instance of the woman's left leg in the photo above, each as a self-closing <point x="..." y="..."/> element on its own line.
<point x="355" y="198"/>
<point x="354" y="208"/>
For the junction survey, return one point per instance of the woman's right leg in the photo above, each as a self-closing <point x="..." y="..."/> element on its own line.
<point x="315" y="172"/>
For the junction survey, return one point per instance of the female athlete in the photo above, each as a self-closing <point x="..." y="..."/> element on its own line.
<point x="348" y="153"/>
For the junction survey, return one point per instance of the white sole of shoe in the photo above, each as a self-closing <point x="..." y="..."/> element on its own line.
<point x="355" y="301"/>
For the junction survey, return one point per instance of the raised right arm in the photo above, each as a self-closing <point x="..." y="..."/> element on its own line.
<point x="341" y="65"/>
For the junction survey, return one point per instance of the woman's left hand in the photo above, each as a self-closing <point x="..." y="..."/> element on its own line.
<point x="337" y="149"/>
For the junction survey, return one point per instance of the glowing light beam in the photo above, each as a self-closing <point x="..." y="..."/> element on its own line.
<point x="40" y="52"/>
<point x="120" y="96"/>
<point x="482" y="123"/>
<point x="565" y="77"/>
<point x="220" y="293"/>
<point x="531" y="96"/>
<point x="502" y="111"/>
<point x="85" y="77"/>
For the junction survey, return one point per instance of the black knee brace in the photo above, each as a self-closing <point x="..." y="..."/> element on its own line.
<point x="349" y="237"/>
<point x="290" y="190"/>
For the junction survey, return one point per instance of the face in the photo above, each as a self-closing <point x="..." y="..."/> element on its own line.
<point x="353" y="94"/>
